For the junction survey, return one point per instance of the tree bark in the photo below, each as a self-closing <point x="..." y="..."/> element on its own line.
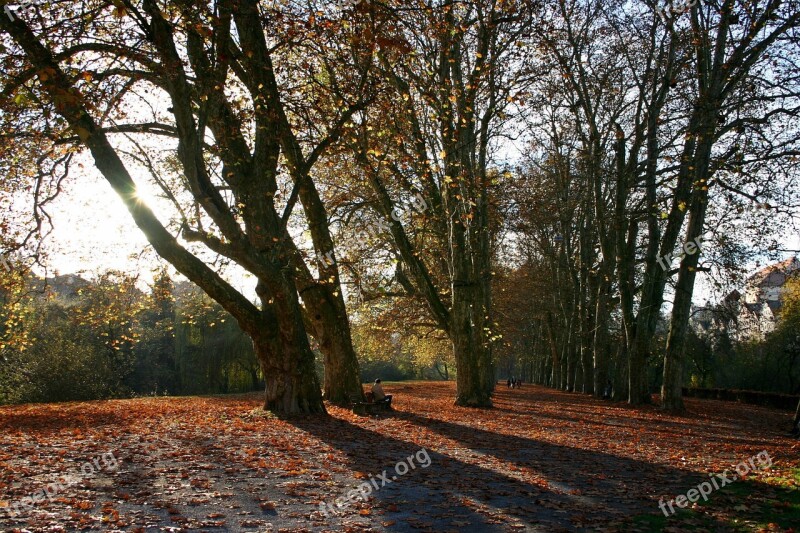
<point x="342" y="374"/>
<point x="326" y="316"/>
<point x="475" y="371"/>
<point x="587" y="338"/>
<point x="602" y="345"/>
<point x="292" y="385"/>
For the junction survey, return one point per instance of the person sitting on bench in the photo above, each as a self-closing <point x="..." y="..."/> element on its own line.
<point x="380" y="397"/>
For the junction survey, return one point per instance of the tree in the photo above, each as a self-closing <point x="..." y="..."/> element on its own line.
<point x="449" y="79"/>
<point x="211" y="353"/>
<point x="70" y="340"/>
<point x="732" y="48"/>
<point x="642" y="127"/>
<point x="234" y="142"/>
<point x="155" y="350"/>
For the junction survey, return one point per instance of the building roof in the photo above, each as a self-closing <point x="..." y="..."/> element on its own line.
<point x="763" y="275"/>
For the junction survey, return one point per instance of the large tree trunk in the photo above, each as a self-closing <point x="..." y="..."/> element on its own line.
<point x="292" y="385"/>
<point x="620" y="380"/>
<point x="475" y="372"/>
<point x="326" y="312"/>
<point x="646" y="322"/>
<point x="672" y="387"/>
<point x="796" y="422"/>
<point x="327" y="321"/>
<point x="602" y="344"/>
<point x="283" y="350"/>
<point x="342" y="375"/>
<point x="587" y="338"/>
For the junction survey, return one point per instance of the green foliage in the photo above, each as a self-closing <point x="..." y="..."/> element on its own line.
<point x="393" y="353"/>
<point x="155" y="371"/>
<point x="65" y="361"/>
<point x="211" y="353"/>
<point x="78" y="340"/>
<point x="701" y="360"/>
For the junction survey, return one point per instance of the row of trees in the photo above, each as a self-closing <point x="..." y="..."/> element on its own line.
<point x="293" y="126"/>
<point x="648" y="119"/>
<point x="714" y="356"/>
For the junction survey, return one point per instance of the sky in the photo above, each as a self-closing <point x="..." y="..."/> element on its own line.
<point x="93" y="230"/>
<point x="94" y="233"/>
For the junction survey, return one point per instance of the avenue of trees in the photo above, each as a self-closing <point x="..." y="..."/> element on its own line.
<point x="714" y="358"/>
<point x="469" y="183"/>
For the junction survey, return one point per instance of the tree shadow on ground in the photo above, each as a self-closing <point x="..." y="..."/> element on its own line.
<point x="756" y="427"/>
<point x="496" y="480"/>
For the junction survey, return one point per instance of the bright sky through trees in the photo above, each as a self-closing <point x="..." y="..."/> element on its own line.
<point x="94" y="232"/>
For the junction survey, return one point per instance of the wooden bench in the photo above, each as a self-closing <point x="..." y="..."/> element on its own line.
<point x="367" y="408"/>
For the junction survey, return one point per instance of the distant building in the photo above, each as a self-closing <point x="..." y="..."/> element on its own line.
<point x="757" y="307"/>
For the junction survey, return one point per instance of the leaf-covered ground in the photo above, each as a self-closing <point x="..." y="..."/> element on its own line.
<point x="541" y="460"/>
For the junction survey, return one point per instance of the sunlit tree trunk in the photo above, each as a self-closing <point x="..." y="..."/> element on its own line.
<point x="473" y="360"/>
